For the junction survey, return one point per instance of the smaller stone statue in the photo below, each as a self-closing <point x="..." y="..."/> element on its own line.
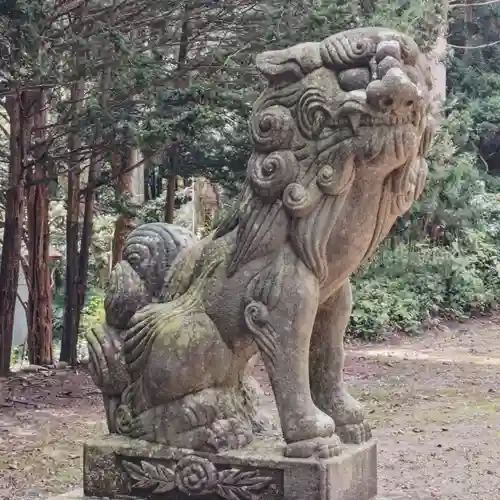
<point x="339" y="137"/>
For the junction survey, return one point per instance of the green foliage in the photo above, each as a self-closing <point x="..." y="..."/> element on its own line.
<point x="408" y="287"/>
<point x="424" y="21"/>
<point x="449" y="202"/>
<point x="473" y="78"/>
<point x="93" y="313"/>
<point x="57" y="313"/>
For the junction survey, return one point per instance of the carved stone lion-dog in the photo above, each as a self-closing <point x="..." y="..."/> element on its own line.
<point x="339" y="137"/>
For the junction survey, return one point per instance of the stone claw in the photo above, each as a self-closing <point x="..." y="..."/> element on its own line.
<point x="319" y="448"/>
<point x="228" y="434"/>
<point x="354" y="433"/>
<point x="195" y="414"/>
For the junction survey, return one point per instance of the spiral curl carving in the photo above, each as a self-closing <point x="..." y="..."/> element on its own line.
<point x="334" y="181"/>
<point x="299" y="201"/>
<point x="326" y="178"/>
<point x="340" y="52"/>
<point x="270" y="175"/>
<point x="140" y="251"/>
<point x="257" y="313"/>
<point x="123" y="420"/>
<point x="151" y="248"/>
<point x="312" y="113"/>
<point x="272" y="128"/>
<point x="195" y="475"/>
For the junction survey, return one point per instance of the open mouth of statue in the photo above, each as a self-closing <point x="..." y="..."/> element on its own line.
<point x="358" y="120"/>
<point x="354" y="123"/>
<point x="353" y="116"/>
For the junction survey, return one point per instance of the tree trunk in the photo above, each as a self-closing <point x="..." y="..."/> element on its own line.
<point x="69" y="339"/>
<point x="170" y="199"/>
<point x="39" y="281"/>
<point x="87" y="229"/>
<point x="124" y="191"/>
<point x="18" y="108"/>
<point x="195" y="201"/>
<point x="148" y="166"/>
<point x="158" y="181"/>
<point x="88" y="215"/>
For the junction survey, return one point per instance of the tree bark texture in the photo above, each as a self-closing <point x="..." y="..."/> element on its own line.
<point x="169" y="210"/>
<point x="20" y="117"/>
<point x="39" y="280"/>
<point x="123" y="172"/>
<point x="88" y="215"/>
<point x="69" y="339"/>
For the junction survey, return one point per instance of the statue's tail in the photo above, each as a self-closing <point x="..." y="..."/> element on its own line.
<point x="151" y="250"/>
<point x="107" y="367"/>
<point x="158" y="319"/>
<point x="138" y="279"/>
<point x="135" y="282"/>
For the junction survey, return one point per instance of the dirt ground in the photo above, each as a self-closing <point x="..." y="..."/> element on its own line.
<point x="434" y="402"/>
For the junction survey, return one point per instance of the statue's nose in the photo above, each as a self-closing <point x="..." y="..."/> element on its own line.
<point x="395" y="93"/>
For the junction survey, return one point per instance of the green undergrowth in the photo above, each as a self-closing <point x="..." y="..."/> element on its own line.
<point x="409" y="287"/>
<point x="93" y="312"/>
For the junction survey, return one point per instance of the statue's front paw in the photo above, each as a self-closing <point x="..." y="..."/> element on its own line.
<point x="315" y="448"/>
<point x="354" y="433"/>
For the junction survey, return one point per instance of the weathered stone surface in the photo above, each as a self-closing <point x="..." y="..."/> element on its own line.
<point x="339" y="140"/>
<point x="79" y="495"/>
<point x="121" y="466"/>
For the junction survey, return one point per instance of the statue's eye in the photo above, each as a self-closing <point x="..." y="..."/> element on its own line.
<point x="354" y="79"/>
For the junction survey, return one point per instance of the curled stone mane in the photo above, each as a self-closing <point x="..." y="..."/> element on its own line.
<point x="148" y="254"/>
<point x="305" y="158"/>
<point x="151" y="248"/>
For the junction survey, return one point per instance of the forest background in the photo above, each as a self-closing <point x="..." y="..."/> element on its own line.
<point x="115" y="112"/>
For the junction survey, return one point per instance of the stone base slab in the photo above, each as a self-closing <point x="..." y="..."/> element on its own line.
<point x="79" y="495"/>
<point x="120" y="467"/>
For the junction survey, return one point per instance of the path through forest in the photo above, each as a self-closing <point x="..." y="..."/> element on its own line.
<point x="434" y="402"/>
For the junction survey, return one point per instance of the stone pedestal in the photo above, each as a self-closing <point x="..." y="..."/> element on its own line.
<point x="116" y="466"/>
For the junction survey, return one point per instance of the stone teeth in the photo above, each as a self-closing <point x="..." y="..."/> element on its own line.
<point x="354" y="120"/>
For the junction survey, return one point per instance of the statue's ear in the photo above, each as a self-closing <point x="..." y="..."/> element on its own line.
<point x="289" y="65"/>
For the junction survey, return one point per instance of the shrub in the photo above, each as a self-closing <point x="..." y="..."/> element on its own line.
<point x="93" y="313"/>
<point x="407" y="287"/>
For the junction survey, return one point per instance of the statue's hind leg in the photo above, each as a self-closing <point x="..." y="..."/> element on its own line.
<point x="327" y="364"/>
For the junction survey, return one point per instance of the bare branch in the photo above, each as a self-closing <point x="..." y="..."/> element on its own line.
<point x="475" y="4"/>
<point x="482" y="46"/>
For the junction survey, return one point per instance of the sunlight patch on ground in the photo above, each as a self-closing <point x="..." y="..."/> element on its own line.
<point x="445" y="357"/>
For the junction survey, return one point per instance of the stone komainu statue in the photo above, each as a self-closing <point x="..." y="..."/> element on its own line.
<point x="339" y="139"/>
